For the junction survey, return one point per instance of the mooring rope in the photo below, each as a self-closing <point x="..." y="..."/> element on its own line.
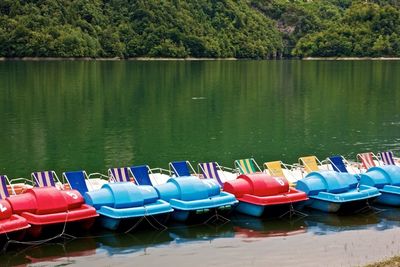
<point x="146" y="218"/>
<point x="217" y="217"/>
<point x="39" y="242"/>
<point x="293" y="212"/>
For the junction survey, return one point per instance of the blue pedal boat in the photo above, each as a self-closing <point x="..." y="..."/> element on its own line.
<point x="387" y="180"/>
<point x="124" y="202"/>
<point x="331" y="191"/>
<point x="190" y="196"/>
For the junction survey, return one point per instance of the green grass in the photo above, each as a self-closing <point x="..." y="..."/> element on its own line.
<point x="392" y="262"/>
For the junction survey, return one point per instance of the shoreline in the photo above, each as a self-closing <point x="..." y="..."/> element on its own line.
<point x="351" y="58"/>
<point x="393" y="261"/>
<point x="110" y="59"/>
<point x="194" y="59"/>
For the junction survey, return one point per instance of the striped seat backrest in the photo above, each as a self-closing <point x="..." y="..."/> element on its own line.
<point x="367" y="160"/>
<point x="120" y="174"/>
<point x="245" y="166"/>
<point x="210" y="171"/>
<point x="3" y="187"/>
<point x="310" y="163"/>
<point x="387" y="158"/>
<point x="44" y="178"/>
<point x="274" y="168"/>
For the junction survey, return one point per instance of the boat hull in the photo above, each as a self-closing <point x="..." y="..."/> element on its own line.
<point x="129" y="224"/>
<point x="200" y="215"/>
<point x="390" y="199"/>
<point x="270" y="211"/>
<point x="338" y="207"/>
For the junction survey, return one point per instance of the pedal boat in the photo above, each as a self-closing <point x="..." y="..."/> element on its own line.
<point x="331" y="191"/>
<point x="121" y="204"/>
<point x="387" y="180"/>
<point x="190" y="196"/>
<point x="260" y="194"/>
<point x="47" y="206"/>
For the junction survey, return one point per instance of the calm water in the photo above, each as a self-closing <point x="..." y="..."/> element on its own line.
<point x="95" y="115"/>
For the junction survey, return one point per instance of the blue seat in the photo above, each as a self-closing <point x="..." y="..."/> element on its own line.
<point x="338" y="164"/>
<point x="3" y="187"/>
<point x="141" y="174"/>
<point x="77" y="180"/>
<point x="181" y="168"/>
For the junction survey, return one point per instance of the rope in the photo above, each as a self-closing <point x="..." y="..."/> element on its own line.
<point x="146" y="218"/>
<point x="293" y="212"/>
<point x="217" y="218"/>
<point x="368" y="208"/>
<point x="39" y="242"/>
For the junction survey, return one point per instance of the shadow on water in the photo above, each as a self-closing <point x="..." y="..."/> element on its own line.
<point x="239" y="227"/>
<point x="127" y="243"/>
<point x="384" y="218"/>
<point x="21" y="255"/>
<point x="246" y="226"/>
<point x="201" y="232"/>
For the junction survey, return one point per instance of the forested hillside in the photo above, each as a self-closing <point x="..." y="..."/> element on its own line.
<point x="202" y="28"/>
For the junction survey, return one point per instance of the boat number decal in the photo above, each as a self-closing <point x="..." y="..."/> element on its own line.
<point x="73" y="195"/>
<point x="2" y="208"/>
<point x="279" y="180"/>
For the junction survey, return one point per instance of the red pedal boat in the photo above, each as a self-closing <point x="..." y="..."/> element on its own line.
<point x="11" y="225"/>
<point x="258" y="192"/>
<point x="48" y="206"/>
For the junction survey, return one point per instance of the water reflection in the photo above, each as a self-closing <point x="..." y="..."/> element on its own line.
<point x="240" y="228"/>
<point x="202" y="232"/>
<point x="246" y="226"/>
<point x="127" y="243"/>
<point x="94" y="115"/>
<point x="50" y="252"/>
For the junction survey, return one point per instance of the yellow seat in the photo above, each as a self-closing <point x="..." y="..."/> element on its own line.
<point x="274" y="168"/>
<point x="310" y="163"/>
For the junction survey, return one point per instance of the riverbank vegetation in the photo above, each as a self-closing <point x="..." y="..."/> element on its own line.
<point x="204" y="28"/>
<point x="392" y="262"/>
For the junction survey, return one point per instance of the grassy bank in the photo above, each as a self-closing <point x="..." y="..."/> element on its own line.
<point x="392" y="262"/>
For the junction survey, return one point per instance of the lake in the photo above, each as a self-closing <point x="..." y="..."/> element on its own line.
<point x="93" y="115"/>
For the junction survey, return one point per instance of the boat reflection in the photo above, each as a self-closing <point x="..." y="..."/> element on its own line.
<point x="246" y="226"/>
<point x="390" y="218"/>
<point x="201" y="232"/>
<point x="321" y="223"/>
<point x="137" y="241"/>
<point x="49" y="252"/>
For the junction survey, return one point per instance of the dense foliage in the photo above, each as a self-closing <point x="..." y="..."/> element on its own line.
<point x="202" y="28"/>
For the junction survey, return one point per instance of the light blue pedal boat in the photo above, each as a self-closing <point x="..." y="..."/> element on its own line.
<point x="387" y="180"/>
<point x="188" y="195"/>
<point x="117" y="202"/>
<point x="121" y="204"/>
<point x="331" y="191"/>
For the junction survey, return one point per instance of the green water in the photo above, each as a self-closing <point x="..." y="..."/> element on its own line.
<point x="95" y="115"/>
